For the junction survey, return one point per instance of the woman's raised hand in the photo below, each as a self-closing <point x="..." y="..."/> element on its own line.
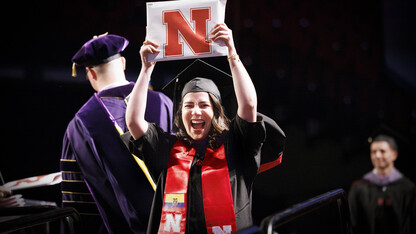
<point x="148" y="47"/>
<point x="222" y="32"/>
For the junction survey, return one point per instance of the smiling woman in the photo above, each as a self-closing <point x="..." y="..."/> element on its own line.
<point x="212" y="162"/>
<point x="199" y="111"/>
<point x="197" y="114"/>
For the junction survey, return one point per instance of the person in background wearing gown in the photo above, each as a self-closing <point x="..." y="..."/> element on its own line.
<point x="384" y="200"/>
<point x="111" y="190"/>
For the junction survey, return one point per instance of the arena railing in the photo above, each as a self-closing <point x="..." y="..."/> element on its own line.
<point x="32" y="216"/>
<point x="270" y="223"/>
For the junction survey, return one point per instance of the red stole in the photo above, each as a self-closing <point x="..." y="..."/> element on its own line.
<point x="216" y="190"/>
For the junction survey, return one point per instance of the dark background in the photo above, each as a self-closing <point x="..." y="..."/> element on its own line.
<point x="331" y="73"/>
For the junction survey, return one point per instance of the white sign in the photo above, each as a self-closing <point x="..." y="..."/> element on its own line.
<point x="182" y="28"/>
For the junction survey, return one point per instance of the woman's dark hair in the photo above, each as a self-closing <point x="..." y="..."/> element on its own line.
<point x="219" y="124"/>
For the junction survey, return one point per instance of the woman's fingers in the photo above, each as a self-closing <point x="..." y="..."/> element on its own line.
<point x="151" y="43"/>
<point x="148" y="47"/>
<point x="152" y="49"/>
<point x="221" y="31"/>
<point x="221" y="35"/>
<point x="219" y="27"/>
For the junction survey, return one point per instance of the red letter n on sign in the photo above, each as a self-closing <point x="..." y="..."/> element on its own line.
<point x="195" y="37"/>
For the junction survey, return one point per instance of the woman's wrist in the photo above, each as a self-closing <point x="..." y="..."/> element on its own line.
<point x="233" y="57"/>
<point x="146" y="71"/>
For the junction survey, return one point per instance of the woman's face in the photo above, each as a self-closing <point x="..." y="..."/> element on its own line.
<point x="197" y="114"/>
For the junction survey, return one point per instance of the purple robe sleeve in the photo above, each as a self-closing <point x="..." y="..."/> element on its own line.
<point x="159" y="110"/>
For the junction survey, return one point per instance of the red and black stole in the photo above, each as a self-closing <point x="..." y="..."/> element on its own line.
<point x="216" y="190"/>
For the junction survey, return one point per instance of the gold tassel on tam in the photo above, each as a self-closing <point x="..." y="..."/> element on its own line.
<point x="74" y="70"/>
<point x="104" y="34"/>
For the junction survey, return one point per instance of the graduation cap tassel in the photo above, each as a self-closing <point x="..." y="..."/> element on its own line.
<point x="74" y="70"/>
<point x="101" y="35"/>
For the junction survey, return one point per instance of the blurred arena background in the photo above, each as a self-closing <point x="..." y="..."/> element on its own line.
<point x="331" y="73"/>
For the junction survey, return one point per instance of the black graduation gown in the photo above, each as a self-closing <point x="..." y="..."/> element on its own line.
<point x="383" y="209"/>
<point x="242" y="144"/>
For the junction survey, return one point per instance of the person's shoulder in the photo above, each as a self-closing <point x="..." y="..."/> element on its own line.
<point x="407" y="183"/>
<point x="87" y="106"/>
<point x="358" y="188"/>
<point x="360" y="184"/>
<point x="83" y="112"/>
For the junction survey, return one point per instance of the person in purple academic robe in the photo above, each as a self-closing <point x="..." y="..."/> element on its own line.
<point x="108" y="186"/>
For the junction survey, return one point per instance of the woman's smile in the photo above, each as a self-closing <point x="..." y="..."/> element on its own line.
<point x="197" y="124"/>
<point x="197" y="114"/>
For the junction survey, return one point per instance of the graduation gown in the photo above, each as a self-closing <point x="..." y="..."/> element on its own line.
<point x="383" y="208"/>
<point x="243" y="144"/>
<point x="101" y="179"/>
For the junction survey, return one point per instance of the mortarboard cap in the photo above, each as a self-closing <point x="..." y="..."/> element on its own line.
<point x="200" y="84"/>
<point x="100" y="49"/>
<point x="202" y="70"/>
